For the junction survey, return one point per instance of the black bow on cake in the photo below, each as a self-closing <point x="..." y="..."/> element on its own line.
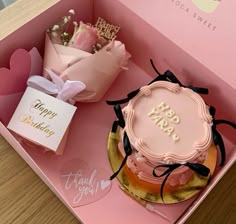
<point x="217" y="138"/>
<point x="167" y="76"/>
<point x="126" y="143"/>
<point x="196" y="167"/>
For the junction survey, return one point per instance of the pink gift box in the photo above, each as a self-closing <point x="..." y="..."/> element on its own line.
<point x="155" y="30"/>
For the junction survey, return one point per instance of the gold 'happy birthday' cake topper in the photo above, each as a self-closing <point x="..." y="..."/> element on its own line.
<point x="106" y="29"/>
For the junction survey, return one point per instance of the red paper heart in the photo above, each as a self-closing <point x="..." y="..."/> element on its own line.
<point x="83" y="183"/>
<point x="14" y="80"/>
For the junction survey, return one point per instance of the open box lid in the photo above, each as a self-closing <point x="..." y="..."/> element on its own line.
<point x="211" y="38"/>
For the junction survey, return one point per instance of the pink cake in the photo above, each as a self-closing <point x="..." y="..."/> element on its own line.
<point x="166" y="124"/>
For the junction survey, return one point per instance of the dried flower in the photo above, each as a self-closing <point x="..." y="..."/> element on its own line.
<point x="55" y="27"/>
<point x="54" y="34"/>
<point x="66" y="19"/>
<point x="72" y="11"/>
<point x="58" y="33"/>
<point x="75" y="23"/>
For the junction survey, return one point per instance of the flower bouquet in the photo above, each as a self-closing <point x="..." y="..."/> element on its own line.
<point x="90" y="55"/>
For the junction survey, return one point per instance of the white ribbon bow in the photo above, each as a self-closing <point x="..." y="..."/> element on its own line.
<point x="63" y="90"/>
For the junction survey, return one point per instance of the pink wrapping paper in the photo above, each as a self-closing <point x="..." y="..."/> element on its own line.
<point x="97" y="71"/>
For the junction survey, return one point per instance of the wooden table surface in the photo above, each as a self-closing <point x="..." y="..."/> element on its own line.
<point x="25" y="199"/>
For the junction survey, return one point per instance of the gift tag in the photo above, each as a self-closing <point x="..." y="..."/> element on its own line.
<point x="13" y="80"/>
<point x="41" y="118"/>
<point x="84" y="183"/>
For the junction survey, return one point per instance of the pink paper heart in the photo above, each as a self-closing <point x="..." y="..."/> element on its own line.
<point x="83" y="183"/>
<point x="13" y="80"/>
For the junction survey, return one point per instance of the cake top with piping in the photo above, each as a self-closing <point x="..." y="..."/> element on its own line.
<point x="168" y="123"/>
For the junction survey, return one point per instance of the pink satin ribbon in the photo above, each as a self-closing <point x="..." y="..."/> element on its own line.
<point x="62" y="90"/>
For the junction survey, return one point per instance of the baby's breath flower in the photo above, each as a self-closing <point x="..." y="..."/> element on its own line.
<point x="75" y="23"/>
<point x="54" y="34"/>
<point x="55" y="27"/>
<point x="66" y="19"/>
<point x="72" y="11"/>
